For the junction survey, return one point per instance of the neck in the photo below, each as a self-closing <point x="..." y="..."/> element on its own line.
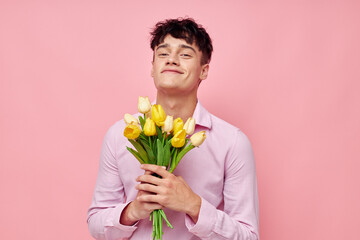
<point x="177" y="106"/>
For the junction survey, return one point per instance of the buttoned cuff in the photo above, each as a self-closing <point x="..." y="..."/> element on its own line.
<point x="206" y="220"/>
<point x="116" y="219"/>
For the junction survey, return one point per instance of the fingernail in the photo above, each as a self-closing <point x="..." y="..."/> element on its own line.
<point x="163" y="167"/>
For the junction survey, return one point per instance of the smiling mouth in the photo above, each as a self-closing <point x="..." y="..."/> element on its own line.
<point x="171" y="71"/>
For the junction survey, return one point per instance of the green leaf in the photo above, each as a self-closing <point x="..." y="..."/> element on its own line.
<point x="159" y="133"/>
<point x="144" y="137"/>
<point x="166" y="159"/>
<point x="153" y="145"/>
<point x="142" y="122"/>
<point x="173" y="160"/>
<point x="160" y="153"/>
<point x="140" y="150"/>
<point x="136" y="154"/>
<point x="149" y="152"/>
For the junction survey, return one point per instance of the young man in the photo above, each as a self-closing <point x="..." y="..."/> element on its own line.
<point x="212" y="193"/>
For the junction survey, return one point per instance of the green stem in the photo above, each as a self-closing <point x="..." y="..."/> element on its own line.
<point x="162" y="213"/>
<point x="160" y="226"/>
<point x="163" y="138"/>
<point x="173" y="161"/>
<point x="153" y="222"/>
<point x="150" y="142"/>
<point x="157" y="217"/>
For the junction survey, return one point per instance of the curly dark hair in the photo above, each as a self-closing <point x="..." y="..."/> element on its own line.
<point x="183" y="28"/>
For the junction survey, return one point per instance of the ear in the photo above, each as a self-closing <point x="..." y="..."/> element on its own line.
<point x="204" y="71"/>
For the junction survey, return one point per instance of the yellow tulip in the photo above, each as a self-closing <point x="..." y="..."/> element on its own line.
<point x="149" y="127"/>
<point x="168" y="125"/>
<point x="132" y="131"/>
<point x="144" y="105"/>
<point x="130" y="119"/>
<point x="190" y="126"/>
<point x="158" y="114"/>
<point x="178" y="125"/>
<point x="178" y="139"/>
<point x="198" y="138"/>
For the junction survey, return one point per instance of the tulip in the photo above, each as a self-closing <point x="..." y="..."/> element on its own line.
<point x="144" y="105"/>
<point x="168" y="124"/>
<point x="198" y="138"/>
<point x="149" y="127"/>
<point x="178" y="125"/>
<point x="178" y="139"/>
<point x="158" y="114"/>
<point x="132" y="131"/>
<point x="190" y="126"/>
<point x="130" y="119"/>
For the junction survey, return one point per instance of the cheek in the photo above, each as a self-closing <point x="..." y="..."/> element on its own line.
<point x="156" y="66"/>
<point x="195" y="71"/>
<point x="154" y="70"/>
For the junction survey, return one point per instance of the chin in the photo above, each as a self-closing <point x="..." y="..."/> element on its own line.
<point x="168" y="84"/>
<point x="168" y="87"/>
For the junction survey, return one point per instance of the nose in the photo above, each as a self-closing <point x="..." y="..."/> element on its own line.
<point x="172" y="60"/>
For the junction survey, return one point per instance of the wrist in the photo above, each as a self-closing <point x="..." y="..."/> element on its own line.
<point x="194" y="209"/>
<point x="126" y="218"/>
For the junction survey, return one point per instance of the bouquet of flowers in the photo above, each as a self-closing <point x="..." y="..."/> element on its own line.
<point x="160" y="140"/>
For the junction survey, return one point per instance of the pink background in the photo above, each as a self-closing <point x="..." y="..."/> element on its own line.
<point x="285" y="72"/>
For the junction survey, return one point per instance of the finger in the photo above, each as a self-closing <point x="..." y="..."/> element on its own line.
<point x="152" y="189"/>
<point x="148" y="172"/>
<point x="159" y="170"/>
<point x="149" y="198"/>
<point x="141" y="192"/>
<point x="149" y="179"/>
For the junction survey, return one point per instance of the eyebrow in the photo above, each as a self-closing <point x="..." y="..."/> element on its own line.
<point x="166" y="45"/>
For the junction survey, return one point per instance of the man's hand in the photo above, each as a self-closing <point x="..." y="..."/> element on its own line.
<point x="169" y="191"/>
<point x="137" y="210"/>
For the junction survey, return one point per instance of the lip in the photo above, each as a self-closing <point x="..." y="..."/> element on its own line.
<point x="171" y="71"/>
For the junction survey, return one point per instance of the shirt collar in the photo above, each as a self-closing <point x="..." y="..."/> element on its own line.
<point x="202" y="116"/>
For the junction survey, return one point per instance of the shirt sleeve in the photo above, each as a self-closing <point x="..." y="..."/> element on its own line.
<point x="109" y="198"/>
<point x="239" y="219"/>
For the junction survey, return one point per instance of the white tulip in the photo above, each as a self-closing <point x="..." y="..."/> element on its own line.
<point x="198" y="138"/>
<point x="144" y="105"/>
<point x="130" y="119"/>
<point x="168" y="124"/>
<point x="190" y="126"/>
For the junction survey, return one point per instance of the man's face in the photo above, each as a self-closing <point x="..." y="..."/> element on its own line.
<point x="176" y="66"/>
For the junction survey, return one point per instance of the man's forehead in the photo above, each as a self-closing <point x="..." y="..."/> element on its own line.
<point x="169" y="42"/>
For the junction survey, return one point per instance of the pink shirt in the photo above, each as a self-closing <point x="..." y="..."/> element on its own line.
<point x="221" y="171"/>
